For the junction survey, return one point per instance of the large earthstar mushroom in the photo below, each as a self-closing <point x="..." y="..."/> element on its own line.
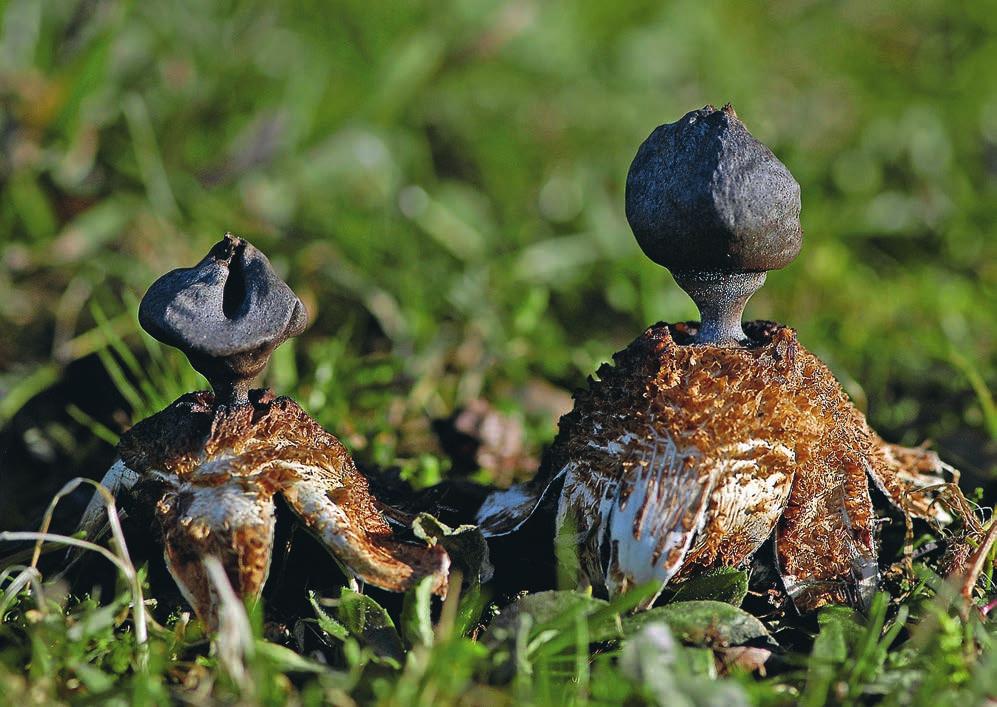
<point x="703" y="439"/>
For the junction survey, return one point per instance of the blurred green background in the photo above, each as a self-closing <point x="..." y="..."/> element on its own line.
<point x="442" y="183"/>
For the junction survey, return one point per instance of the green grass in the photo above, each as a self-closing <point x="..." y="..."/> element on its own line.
<point x="538" y="650"/>
<point x="442" y="183"/>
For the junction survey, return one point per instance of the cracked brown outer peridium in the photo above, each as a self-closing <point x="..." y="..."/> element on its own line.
<point x="211" y="473"/>
<point x="678" y="458"/>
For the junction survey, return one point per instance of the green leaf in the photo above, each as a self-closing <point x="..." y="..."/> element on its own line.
<point x="703" y="622"/>
<point x="725" y="584"/>
<point x="287" y="661"/>
<point x="29" y="200"/>
<point x="327" y="623"/>
<point x="472" y="604"/>
<point x="95" y="680"/>
<point x="850" y="650"/>
<point x="542" y="608"/>
<point x="369" y="622"/>
<point x="16" y="389"/>
<point x="417" y="624"/>
<point x="840" y="629"/>
<point x="554" y="617"/>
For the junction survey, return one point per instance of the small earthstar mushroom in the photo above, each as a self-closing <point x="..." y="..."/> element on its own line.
<point x="210" y="464"/>
<point x="703" y="439"/>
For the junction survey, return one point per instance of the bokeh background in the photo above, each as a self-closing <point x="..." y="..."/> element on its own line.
<point x="442" y="183"/>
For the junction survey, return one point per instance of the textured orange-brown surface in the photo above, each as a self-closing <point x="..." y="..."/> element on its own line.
<point x="680" y="457"/>
<point x="211" y="474"/>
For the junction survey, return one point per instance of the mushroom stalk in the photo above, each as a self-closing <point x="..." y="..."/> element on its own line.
<point x="721" y="298"/>
<point x="230" y="391"/>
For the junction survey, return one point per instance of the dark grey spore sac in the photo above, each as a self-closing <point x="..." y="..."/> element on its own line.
<point x="703" y="195"/>
<point x="227" y="314"/>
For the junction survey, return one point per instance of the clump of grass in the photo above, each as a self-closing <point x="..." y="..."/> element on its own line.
<point x="555" y="647"/>
<point x="119" y="557"/>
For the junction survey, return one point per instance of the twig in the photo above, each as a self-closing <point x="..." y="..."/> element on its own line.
<point x="977" y="562"/>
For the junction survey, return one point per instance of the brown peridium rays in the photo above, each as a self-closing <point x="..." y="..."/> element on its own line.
<point x="680" y="458"/>
<point x="794" y="452"/>
<point x="210" y="464"/>
<point x="211" y="473"/>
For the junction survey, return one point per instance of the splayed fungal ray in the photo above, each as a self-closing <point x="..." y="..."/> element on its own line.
<point x="703" y="439"/>
<point x="210" y="465"/>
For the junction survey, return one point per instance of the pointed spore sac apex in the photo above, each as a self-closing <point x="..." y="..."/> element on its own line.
<point x="234" y="294"/>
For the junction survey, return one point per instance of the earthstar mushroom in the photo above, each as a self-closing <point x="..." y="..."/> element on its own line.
<point x="211" y="464"/>
<point x="703" y="439"/>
